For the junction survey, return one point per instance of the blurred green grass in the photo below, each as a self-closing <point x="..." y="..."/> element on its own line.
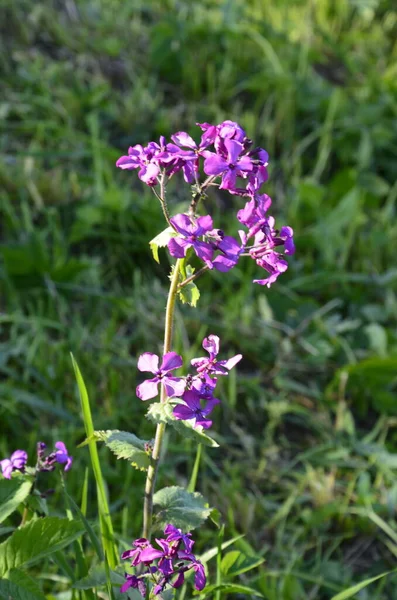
<point x="308" y="426"/>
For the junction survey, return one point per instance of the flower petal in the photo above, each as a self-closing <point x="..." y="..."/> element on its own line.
<point x="148" y="389"/>
<point x="214" y="164"/>
<point x="211" y="344"/>
<point x="174" y="386"/>
<point x="177" y="247"/>
<point x="171" y="361"/>
<point x="148" y="362"/>
<point x="183" y="139"/>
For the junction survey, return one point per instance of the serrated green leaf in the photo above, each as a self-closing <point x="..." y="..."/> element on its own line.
<point x="19" y="586"/>
<point x="183" y="509"/>
<point x="124" y="445"/>
<point x="162" y="413"/>
<point x="36" y="540"/>
<point x="189" y="293"/>
<point x="160" y="241"/>
<point x="12" y="493"/>
<point x="352" y="591"/>
<point x="235" y="563"/>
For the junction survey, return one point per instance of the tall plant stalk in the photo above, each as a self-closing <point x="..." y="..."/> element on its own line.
<point x="158" y="440"/>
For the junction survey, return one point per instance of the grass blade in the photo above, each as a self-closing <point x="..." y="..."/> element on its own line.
<point x="107" y="533"/>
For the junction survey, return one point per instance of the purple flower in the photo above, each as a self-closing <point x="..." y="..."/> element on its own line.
<point x="191" y="157"/>
<point x="230" y="167"/>
<point x="199" y="577"/>
<point x="16" y="462"/>
<point x="172" y="562"/>
<point x="272" y="263"/>
<point x="253" y="215"/>
<point x="149" y="160"/>
<point x="176" y="535"/>
<point x="140" y="158"/>
<point x="62" y="457"/>
<point x="192" y="409"/>
<point x="190" y="232"/>
<point x="231" y="251"/>
<point x="204" y="385"/>
<point x="148" y="362"/>
<point x="132" y="581"/>
<point x="259" y="175"/>
<point x="134" y="554"/>
<point x="211" y="365"/>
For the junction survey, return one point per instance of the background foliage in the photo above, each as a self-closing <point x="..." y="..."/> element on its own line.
<point x="308" y="425"/>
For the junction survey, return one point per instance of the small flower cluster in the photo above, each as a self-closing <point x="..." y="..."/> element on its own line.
<point x="165" y="566"/>
<point x="234" y="166"/>
<point x="45" y="462"/>
<point x="195" y="393"/>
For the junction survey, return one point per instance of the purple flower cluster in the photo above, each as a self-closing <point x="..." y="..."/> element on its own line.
<point x="16" y="462"/>
<point x="45" y="462"/>
<point x="195" y="393"/>
<point x="165" y="565"/>
<point x="235" y="166"/>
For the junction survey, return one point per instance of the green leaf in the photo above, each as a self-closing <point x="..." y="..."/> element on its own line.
<point x="183" y="509"/>
<point x="124" y="445"/>
<point x="90" y="532"/>
<point x="189" y="293"/>
<point x="160" y="241"/>
<point x="230" y="588"/>
<point x="235" y="563"/>
<point x="351" y="591"/>
<point x="97" y="577"/>
<point x="37" y="504"/>
<point x="19" y="586"/>
<point x="162" y="413"/>
<point x="12" y="493"/>
<point x="36" y="540"/>
<point x="105" y="519"/>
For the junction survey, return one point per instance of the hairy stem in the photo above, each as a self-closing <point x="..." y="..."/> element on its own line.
<point x="193" y="277"/>
<point x="158" y="440"/>
<point x="161" y="197"/>
<point x="199" y="194"/>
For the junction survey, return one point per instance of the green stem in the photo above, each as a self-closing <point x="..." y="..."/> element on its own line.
<point x="161" y="198"/>
<point x="193" y="478"/>
<point x="158" y="440"/>
<point x="193" y="277"/>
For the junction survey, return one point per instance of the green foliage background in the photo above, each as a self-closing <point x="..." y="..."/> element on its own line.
<point x="307" y="428"/>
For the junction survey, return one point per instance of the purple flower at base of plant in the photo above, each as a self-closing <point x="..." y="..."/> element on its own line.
<point x="199" y="577"/>
<point x="189" y="232"/>
<point x="134" y="553"/>
<point x="16" y="462"/>
<point x="148" y="362"/>
<point x="132" y="581"/>
<point x="62" y="456"/>
<point x="175" y="535"/>
<point x="192" y="409"/>
<point x="211" y="365"/>
<point x="172" y="562"/>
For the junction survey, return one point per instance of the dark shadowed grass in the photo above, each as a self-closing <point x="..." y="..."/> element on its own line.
<point x="307" y="428"/>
